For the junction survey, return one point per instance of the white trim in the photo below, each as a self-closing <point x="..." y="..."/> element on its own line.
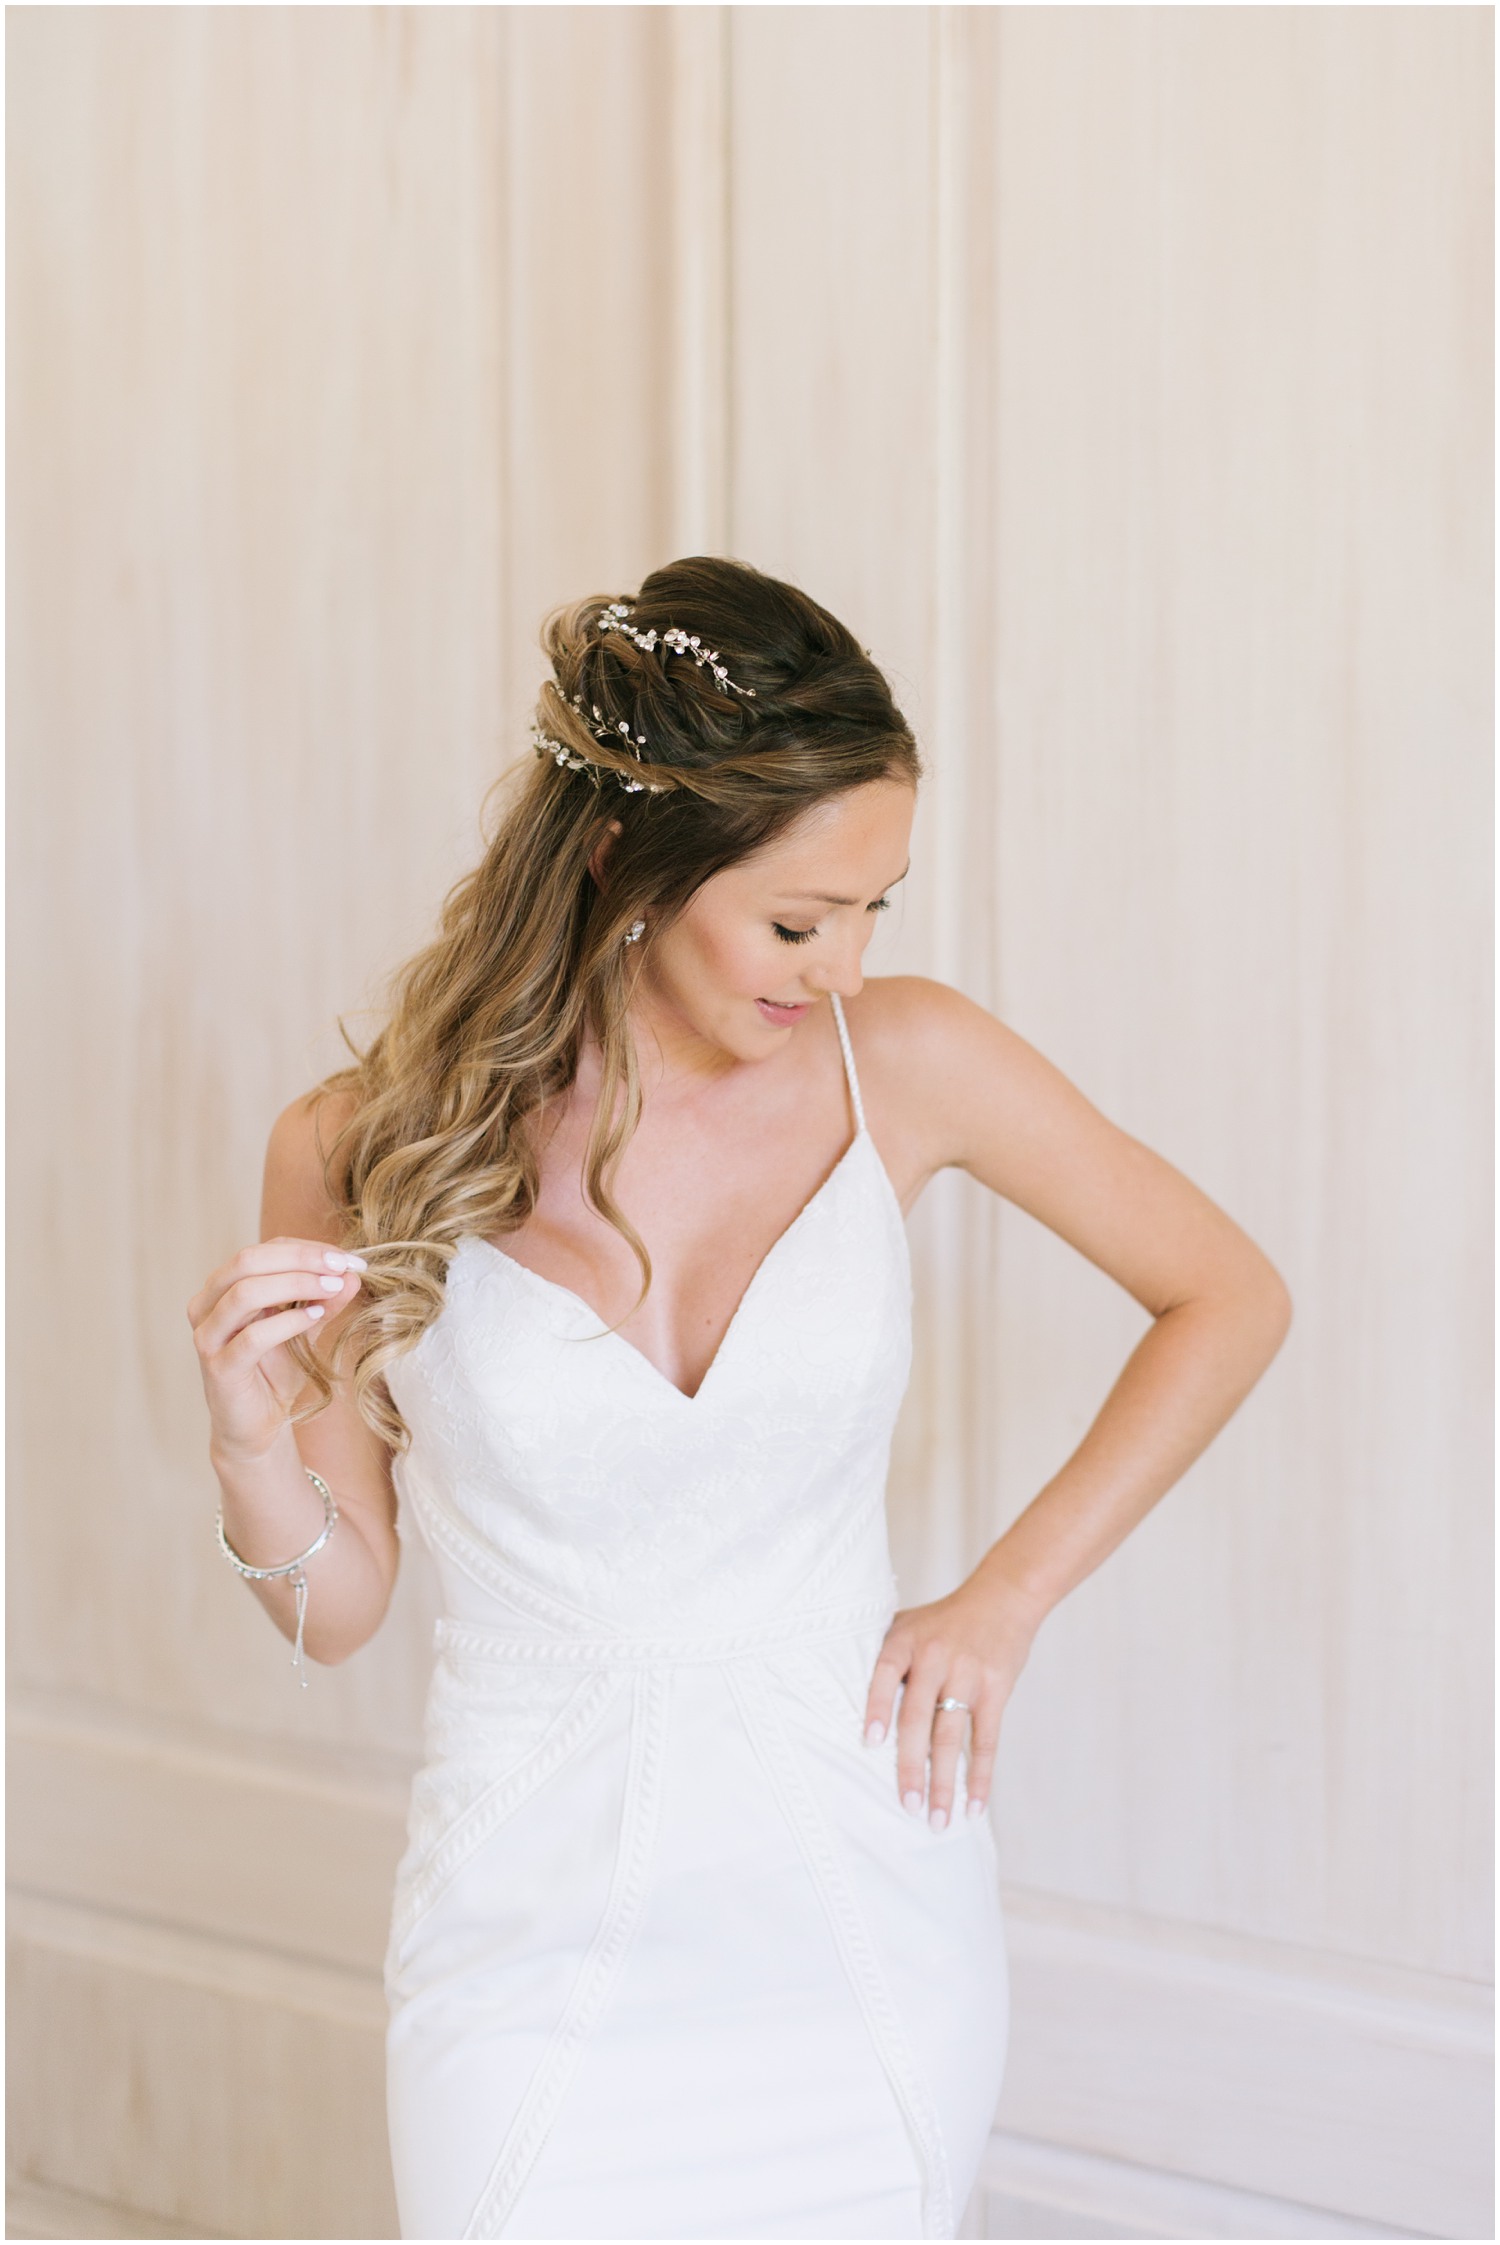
<point x="207" y="1962"/>
<point x="768" y="1739"/>
<point x="1042" y="2191"/>
<point x="601" y="1968"/>
<point x="42" y="2210"/>
<point x="1294" y="2075"/>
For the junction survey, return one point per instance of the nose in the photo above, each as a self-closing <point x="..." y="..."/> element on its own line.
<point x="842" y="970"/>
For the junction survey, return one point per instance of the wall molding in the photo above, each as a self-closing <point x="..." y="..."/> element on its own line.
<point x="698" y="279"/>
<point x="1030" y="2190"/>
<point x="36" y="2210"/>
<point x="208" y="2059"/>
<point x="1357" y="2087"/>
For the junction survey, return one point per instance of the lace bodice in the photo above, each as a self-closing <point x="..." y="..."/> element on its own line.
<point x="564" y="1483"/>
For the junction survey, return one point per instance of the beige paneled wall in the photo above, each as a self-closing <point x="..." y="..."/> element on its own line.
<point x="1242" y="854"/>
<point x="255" y="694"/>
<point x="1242" y="867"/>
<point x="1123" y="376"/>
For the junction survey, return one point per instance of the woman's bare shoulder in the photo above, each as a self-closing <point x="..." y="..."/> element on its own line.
<point x="295" y="1200"/>
<point x="917" y="1044"/>
<point x="901" y="1005"/>
<point x="906" y="1023"/>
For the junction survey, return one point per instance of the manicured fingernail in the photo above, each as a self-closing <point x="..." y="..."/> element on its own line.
<point x="938" y="1819"/>
<point x="874" y="1733"/>
<point x="337" y="1260"/>
<point x="334" y="1285"/>
<point x="912" y="1802"/>
<point x="976" y="1808"/>
<point x="313" y="1309"/>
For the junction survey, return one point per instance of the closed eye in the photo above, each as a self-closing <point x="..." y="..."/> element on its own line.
<point x="805" y="935"/>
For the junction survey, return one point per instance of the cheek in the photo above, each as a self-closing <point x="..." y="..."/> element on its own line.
<point x="738" y="959"/>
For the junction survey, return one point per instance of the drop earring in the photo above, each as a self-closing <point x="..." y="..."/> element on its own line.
<point x="635" y="931"/>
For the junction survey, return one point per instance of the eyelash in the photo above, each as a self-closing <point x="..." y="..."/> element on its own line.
<point x="805" y="935"/>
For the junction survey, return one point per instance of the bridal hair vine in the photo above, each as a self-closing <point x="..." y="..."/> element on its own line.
<point x="675" y="640"/>
<point x="567" y="759"/>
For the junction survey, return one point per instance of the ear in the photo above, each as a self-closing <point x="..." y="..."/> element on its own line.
<point x="600" y="853"/>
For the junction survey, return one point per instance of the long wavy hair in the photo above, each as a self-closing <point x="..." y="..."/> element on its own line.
<point x="485" y="1025"/>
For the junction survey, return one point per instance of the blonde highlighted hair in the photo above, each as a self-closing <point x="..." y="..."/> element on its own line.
<point x="485" y="1025"/>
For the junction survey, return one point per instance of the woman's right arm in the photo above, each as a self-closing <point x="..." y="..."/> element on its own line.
<point x="241" y="1318"/>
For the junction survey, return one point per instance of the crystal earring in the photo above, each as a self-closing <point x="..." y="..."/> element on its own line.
<point x="635" y="931"/>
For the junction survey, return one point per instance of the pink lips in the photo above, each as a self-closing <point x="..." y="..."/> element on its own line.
<point x="782" y="1016"/>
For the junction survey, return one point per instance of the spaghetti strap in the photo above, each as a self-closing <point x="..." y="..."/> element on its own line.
<point x="849" y="1068"/>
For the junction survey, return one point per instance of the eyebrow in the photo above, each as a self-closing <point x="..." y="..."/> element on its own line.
<point x="815" y="896"/>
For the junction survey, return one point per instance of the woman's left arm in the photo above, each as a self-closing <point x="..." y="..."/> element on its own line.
<point x="970" y="1093"/>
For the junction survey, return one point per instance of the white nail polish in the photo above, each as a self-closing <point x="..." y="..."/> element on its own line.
<point x="875" y="1734"/>
<point x="313" y="1309"/>
<point x="976" y="1808"/>
<point x="912" y="1803"/>
<point x="938" y="1819"/>
<point x="334" y="1260"/>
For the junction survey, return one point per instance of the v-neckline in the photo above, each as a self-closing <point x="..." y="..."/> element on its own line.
<point x="610" y="1333"/>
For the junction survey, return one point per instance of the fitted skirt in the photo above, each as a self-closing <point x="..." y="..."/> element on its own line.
<point x="668" y="1959"/>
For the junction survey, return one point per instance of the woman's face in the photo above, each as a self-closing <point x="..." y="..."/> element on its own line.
<point x="765" y="939"/>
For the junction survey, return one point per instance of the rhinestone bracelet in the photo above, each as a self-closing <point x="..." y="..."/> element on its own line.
<point x="292" y="1567"/>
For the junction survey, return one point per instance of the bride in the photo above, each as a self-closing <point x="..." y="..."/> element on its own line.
<point x="591" y="1270"/>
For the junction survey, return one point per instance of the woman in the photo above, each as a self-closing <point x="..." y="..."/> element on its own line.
<point x="697" y="1933"/>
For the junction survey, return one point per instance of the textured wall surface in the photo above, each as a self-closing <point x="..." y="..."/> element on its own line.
<point x="1124" y="378"/>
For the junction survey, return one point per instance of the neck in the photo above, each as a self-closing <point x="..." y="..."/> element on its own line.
<point x="674" y="1055"/>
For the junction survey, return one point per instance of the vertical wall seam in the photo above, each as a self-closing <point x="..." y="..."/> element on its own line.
<point x="698" y="281"/>
<point x="724" y="17"/>
<point x="949" y="661"/>
<point x="505" y="326"/>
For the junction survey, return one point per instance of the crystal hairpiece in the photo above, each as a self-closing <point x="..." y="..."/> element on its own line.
<point x="567" y="759"/>
<point x="675" y="640"/>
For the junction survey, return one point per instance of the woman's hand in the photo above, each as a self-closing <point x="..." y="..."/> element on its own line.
<point x="240" y="1327"/>
<point x="971" y="1645"/>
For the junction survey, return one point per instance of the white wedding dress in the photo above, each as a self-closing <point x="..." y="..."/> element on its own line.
<point x="668" y="1958"/>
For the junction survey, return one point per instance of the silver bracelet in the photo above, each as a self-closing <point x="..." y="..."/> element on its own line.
<point x="292" y="1567"/>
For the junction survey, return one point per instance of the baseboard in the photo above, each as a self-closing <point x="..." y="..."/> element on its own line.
<point x="39" y="2210"/>
<point x="1305" y="2079"/>
<point x="232" y="2091"/>
<point x="1034" y="2191"/>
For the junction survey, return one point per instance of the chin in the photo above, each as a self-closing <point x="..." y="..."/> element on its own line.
<point x="747" y="1033"/>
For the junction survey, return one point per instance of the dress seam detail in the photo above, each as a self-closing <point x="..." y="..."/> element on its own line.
<point x="820" y="1626"/>
<point x="600" y="1970"/>
<point x="861" y="1966"/>
<point x="502" y="1798"/>
<point x="464" y="1549"/>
